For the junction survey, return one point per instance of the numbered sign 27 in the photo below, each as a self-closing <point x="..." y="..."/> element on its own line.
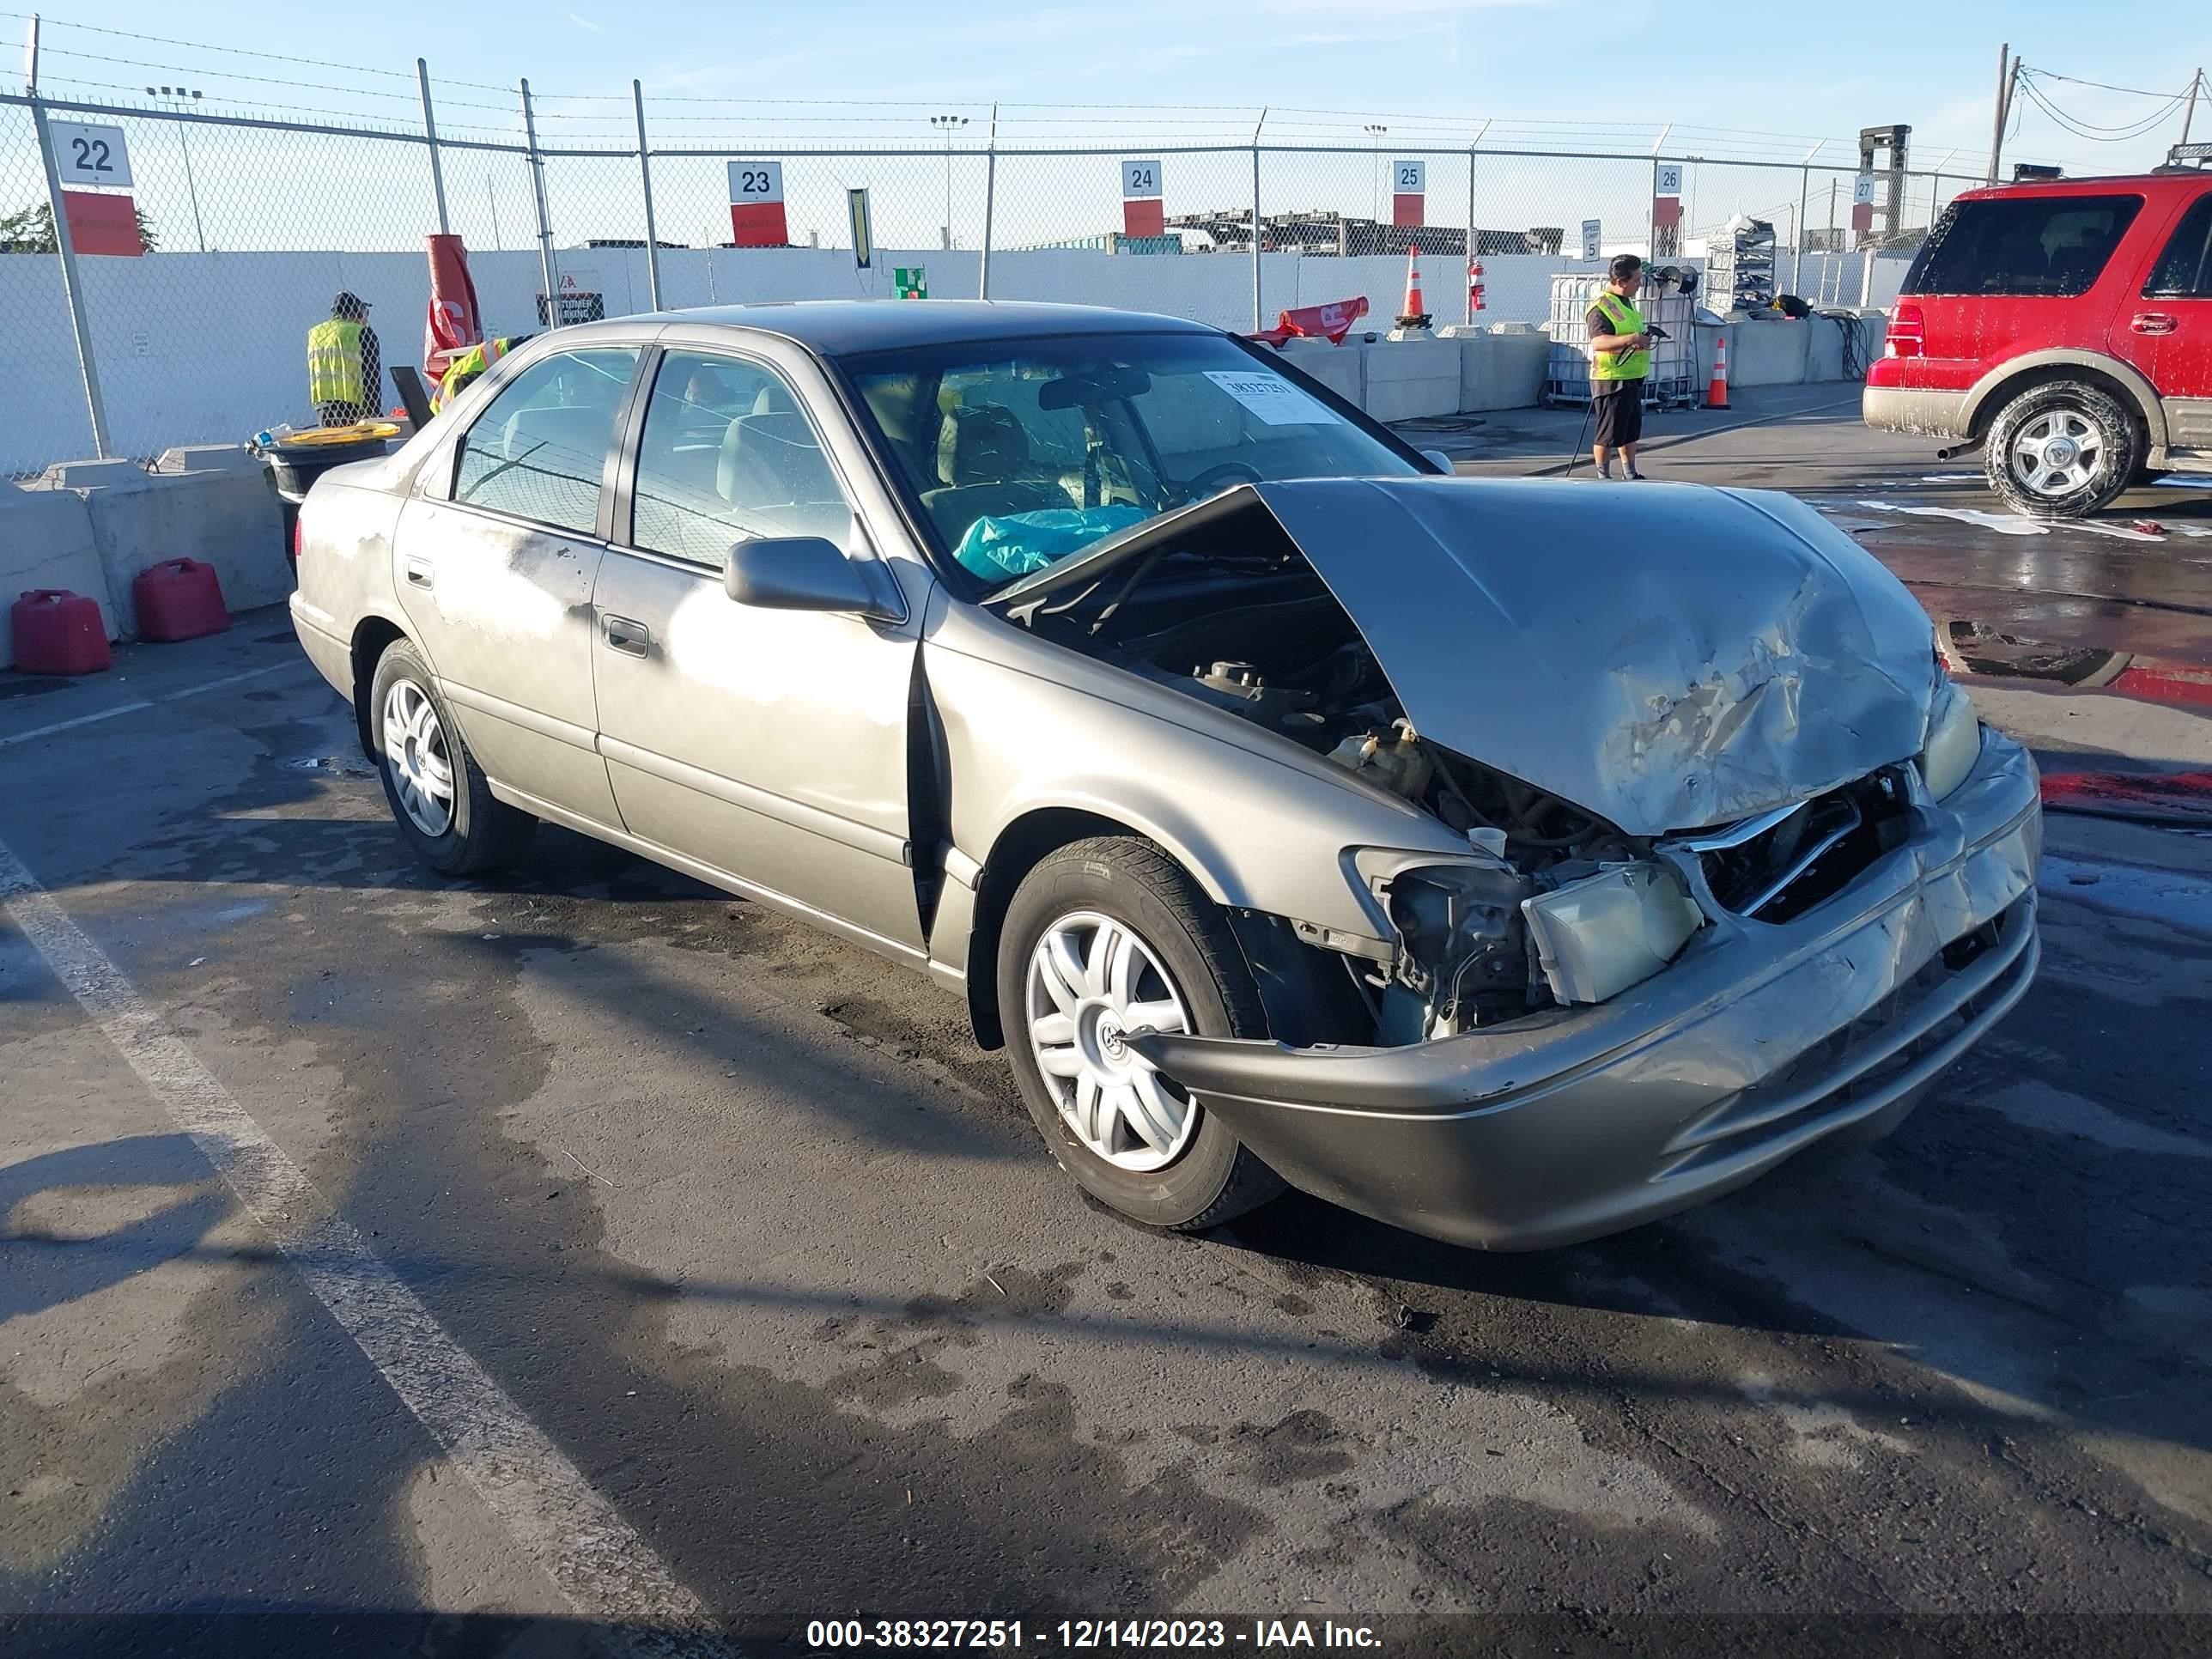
<point x="757" y="216"/>
<point x="1142" y="211"/>
<point x="90" y="155"/>
<point x="1862" y="203"/>
<point x="1409" y="192"/>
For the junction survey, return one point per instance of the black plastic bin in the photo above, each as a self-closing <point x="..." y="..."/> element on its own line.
<point x="292" y="470"/>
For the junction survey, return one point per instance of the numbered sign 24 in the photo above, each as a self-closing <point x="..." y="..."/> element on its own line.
<point x="87" y="154"/>
<point x="1409" y="192"/>
<point x="1143" y="212"/>
<point x="756" y="215"/>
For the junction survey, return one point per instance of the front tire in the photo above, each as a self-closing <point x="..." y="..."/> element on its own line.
<point x="1105" y="936"/>
<point x="439" y="796"/>
<point x="2062" y="450"/>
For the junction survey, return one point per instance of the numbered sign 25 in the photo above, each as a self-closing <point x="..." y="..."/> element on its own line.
<point x="1139" y="180"/>
<point x="756" y="181"/>
<point x="1409" y="178"/>
<point x="90" y="155"/>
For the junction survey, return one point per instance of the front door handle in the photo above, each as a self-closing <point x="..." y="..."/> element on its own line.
<point x="632" y="639"/>
<point x="418" y="573"/>
<point x="2153" y="322"/>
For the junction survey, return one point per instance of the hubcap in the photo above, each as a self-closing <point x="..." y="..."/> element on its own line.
<point x="2057" y="453"/>
<point x="414" y="751"/>
<point x="1093" y="982"/>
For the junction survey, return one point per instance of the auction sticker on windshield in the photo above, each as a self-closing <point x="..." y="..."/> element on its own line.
<point x="1272" y="398"/>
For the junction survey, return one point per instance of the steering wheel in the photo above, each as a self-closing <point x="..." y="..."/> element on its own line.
<point x="1216" y="476"/>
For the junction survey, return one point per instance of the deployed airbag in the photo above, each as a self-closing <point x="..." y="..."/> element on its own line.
<point x="1000" y="545"/>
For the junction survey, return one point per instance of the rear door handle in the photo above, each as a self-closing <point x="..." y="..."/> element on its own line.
<point x="632" y="639"/>
<point x="418" y="573"/>
<point x="2152" y="322"/>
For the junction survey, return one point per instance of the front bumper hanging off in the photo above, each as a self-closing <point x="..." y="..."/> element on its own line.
<point x="1758" y="1041"/>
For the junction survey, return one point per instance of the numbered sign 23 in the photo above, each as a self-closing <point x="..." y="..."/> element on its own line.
<point x="90" y="155"/>
<point x="1409" y="192"/>
<point x="756" y="215"/>
<point x="1143" y="212"/>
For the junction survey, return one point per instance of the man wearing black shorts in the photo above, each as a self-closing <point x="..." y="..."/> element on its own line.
<point x="1620" y="361"/>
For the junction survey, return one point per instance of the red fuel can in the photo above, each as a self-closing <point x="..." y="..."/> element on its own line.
<point x="58" y="632"/>
<point x="179" y="599"/>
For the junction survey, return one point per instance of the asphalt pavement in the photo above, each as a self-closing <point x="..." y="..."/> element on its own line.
<point x="585" y="1258"/>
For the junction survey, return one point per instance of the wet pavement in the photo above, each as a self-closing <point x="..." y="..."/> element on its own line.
<point x="738" y="1222"/>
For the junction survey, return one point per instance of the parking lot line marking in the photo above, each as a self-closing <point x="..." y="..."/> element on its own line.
<point x="148" y="703"/>
<point x="604" y="1567"/>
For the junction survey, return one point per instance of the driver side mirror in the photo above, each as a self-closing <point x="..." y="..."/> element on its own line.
<point x="1442" y="462"/>
<point x="809" y="572"/>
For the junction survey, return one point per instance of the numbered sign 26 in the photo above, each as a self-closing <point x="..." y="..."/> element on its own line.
<point x="757" y="216"/>
<point x="1409" y="192"/>
<point x="90" y="155"/>
<point x="1667" y="178"/>
<point x="1143" y="212"/>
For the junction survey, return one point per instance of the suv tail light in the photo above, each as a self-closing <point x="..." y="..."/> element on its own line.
<point x="295" y="541"/>
<point x="1908" y="335"/>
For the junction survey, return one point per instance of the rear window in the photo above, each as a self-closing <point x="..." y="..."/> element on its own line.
<point x="2023" y="245"/>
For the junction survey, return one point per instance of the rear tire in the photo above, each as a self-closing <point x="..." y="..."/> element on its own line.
<point x="1184" y="1168"/>
<point x="439" y="796"/>
<point x="2062" y="450"/>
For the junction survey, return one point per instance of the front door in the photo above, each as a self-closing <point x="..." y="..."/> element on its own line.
<point x="2165" y="331"/>
<point x="767" y="745"/>
<point x="496" y="581"/>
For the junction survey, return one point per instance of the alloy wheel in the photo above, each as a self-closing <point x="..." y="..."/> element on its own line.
<point x="1093" y="980"/>
<point x="422" y="766"/>
<point x="2056" y="453"/>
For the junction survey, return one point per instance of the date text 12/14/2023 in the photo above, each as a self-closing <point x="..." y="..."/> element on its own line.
<point x="1160" y="1635"/>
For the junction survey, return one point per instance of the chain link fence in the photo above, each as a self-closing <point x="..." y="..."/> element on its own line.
<point x="251" y="225"/>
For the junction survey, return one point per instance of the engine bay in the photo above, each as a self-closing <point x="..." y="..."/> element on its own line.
<point x="1254" y="631"/>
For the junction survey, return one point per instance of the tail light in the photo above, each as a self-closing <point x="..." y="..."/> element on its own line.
<point x="295" y="541"/>
<point x="1908" y="332"/>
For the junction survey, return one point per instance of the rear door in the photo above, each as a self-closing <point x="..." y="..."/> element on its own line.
<point x="496" y="568"/>
<point x="2002" y="276"/>
<point x="769" y="745"/>
<point x="2165" y="329"/>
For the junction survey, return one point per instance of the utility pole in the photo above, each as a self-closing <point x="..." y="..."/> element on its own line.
<point x="2189" y="115"/>
<point x="948" y="125"/>
<point x="2008" y="78"/>
<point x="184" y="101"/>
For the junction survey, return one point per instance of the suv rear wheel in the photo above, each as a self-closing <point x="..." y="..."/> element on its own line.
<point x="2062" y="450"/>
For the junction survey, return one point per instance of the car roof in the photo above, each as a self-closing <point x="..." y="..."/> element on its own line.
<point x="2173" y="178"/>
<point x="837" y="328"/>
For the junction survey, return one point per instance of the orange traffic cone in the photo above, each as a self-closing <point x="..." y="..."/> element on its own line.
<point x="1717" y="393"/>
<point x="1415" y="315"/>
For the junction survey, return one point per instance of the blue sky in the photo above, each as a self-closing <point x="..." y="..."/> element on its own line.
<point x="1769" y="70"/>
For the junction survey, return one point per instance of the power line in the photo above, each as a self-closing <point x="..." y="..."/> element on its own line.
<point x="2096" y="134"/>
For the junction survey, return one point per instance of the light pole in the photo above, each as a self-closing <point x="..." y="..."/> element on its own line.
<point x="948" y="125"/>
<point x="183" y="99"/>
<point x="1375" y="131"/>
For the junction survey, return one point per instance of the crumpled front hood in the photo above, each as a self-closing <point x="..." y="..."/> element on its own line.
<point x="1666" y="656"/>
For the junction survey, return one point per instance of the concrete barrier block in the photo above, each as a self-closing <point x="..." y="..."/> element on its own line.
<point x="228" y="520"/>
<point x="208" y="458"/>
<point x="1768" y="354"/>
<point x="86" y="475"/>
<point x="1338" y="367"/>
<point x="1409" y="379"/>
<point x="1824" y="348"/>
<point x="46" y="541"/>
<point x="1504" y="371"/>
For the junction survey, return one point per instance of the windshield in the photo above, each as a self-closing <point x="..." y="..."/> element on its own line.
<point x="1024" y="453"/>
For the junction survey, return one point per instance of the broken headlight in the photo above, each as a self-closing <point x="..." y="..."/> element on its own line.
<point x="1597" y="936"/>
<point x="1954" y="742"/>
<point x="1463" y="957"/>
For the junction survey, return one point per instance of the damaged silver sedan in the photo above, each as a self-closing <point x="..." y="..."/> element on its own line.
<point x="1511" y="860"/>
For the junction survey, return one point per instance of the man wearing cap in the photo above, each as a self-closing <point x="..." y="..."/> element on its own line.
<point x="1620" y="361"/>
<point x="344" y="363"/>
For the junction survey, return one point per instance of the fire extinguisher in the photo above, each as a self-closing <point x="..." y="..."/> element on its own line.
<point x="1475" y="286"/>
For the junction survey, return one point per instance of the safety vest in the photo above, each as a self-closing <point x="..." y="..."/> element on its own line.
<point x="465" y="368"/>
<point x="1622" y="317"/>
<point x="334" y="362"/>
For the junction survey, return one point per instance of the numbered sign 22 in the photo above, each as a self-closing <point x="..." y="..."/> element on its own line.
<point x="757" y="216"/>
<point x="90" y="155"/>
<point x="1409" y="192"/>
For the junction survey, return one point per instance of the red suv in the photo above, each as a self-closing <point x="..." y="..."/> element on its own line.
<point x="2067" y="328"/>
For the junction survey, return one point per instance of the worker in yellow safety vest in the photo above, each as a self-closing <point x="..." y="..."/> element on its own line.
<point x="1621" y="362"/>
<point x="344" y="363"/>
<point x="465" y="366"/>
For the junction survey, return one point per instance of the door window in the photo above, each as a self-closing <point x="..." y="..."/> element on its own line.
<point x="728" y="454"/>
<point x="2184" y="272"/>
<point x="539" y="448"/>
<point x="2056" y="245"/>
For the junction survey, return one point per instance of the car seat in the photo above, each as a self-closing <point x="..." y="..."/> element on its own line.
<point x="983" y="459"/>
<point x="777" y="481"/>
